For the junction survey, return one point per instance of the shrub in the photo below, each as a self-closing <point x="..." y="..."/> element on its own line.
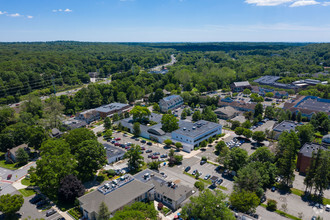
<point x="160" y="206"/>
<point x="204" y="158"/>
<point x="271" y="205"/>
<point x="199" y="185"/>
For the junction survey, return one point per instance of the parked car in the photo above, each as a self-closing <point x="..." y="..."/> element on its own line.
<point x="9" y="176"/>
<point x="219" y="181"/>
<point x="113" y="141"/>
<point x="273" y="189"/>
<point x="117" y="139"/>
<point x="263" y="199"/>
<point x="202" y="162"/>
<point x="150" y="155"/>
<point x="163" y="156"/>
<point x="137" y="139"/>
<point x="36" y="199"/>
<point x="327" y="208"/>
<point x="143" y="141"/>
<point x="154" y="157"/>
<point x="117" y="144"/>
<point x="143" y="148"/>
<point x="194" y="172"/>
<point x="187" y="169"/>
<point x="149" y="143"/>
<point x="125" y="135"/>
<point x="156" y="153"/>
<point x="207" y="177"/>
<point x="41" y="203"/>
<point x="50" y="212"/>
<point x="149" y="151"/>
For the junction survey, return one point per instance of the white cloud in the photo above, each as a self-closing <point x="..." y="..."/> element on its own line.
<point x="304" y="3"/>
<point x="326" y="4"/>
<point x="14" y="15"/>
<point x="29" y="16"/>
<point x="62" y="10"/>
<point x="3" y="12"/>
<point x="268" y="2"/>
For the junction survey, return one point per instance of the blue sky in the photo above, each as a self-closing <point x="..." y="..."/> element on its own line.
<point x="165" y="20"/>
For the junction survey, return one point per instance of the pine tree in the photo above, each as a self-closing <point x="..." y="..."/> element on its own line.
<point x="104" y="213"/>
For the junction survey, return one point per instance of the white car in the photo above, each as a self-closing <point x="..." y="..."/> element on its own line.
<point x="327" y="208"/>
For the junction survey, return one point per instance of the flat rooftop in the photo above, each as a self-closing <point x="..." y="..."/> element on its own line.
<point x="171" y="97"/>
<point x="191" y="129"/>
<point x="267" y="79"/>
<point x="308" y="149"/>
<point x="111" y="107"/>
<point x="113" y="151"/>
<point x="285" y="126"/>
<point x="315" y="104"/>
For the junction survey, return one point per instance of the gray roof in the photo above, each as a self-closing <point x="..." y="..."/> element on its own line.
<point x="226" y="110"/>
<point x="164" y="188"/>
<point x="115" y="199"/>
<point x="171" y="97"/>
<point x="267" y="79"/>
<point x="113" y="151"/>
<point x="111" y="107"/>
<point x="244" y="83"/>
<point x="285" y="126"/>
<point x="191" y="129"/>
<point x="314" y="104"/>
<point x="308" y="149"/>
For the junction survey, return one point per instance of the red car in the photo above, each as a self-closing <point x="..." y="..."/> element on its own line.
<point x="117" y="139"/>
<point x="143" y="148"/>
<point x="9" y="176"/>
<point x="154" y="157"/>
<point x="117" y="144"/>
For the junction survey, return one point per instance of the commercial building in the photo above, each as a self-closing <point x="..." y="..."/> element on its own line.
<point x="115" y="194"/>
<point x="192" y="134"/>
<point x="308" y="105"/>
<point x="226" y="112"/>
<point x="284" y="126"/>
<point x="110" y="109"/>
<point x="114" y="154"/>
<point x="143" y="186"/>
<point x="305" y="155"/>
<point x="170" y="103"/>
<point x="240" y="86"/>
<point x="238" y="105"/>
<point x="271" y="81"/>
<point x="74" y="123"/>
<point x="88" y="116"/>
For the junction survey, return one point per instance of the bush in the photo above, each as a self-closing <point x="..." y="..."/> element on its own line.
<point x="160" y="206"/>
<point x="271" y="205"/>
<point x="204" y="158"/>
<point x="199" y="185"/>
<point x="99" y="134"/>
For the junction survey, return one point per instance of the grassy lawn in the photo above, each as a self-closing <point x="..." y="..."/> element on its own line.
<point x="301" y="193"/>
<point x="26" y="182"/>
<point x="215" y="164"/>
<point x="3" y="163"/>
<point x="27" y="192"/>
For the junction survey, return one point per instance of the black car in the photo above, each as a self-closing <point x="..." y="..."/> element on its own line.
<point x="156" y="153"/>
<point x="149" y="143"/>
<point x="263" y="199"/>
<point x="143" y="141"/>
<point x="219" y="181"/>
<point x="36" y="199"/>
<point x="148" y="151"/>
<point x="202" y="162"/>
<point x="41" y="203"/>
<point x="163" y="156"/>
<point x="187" y="169"/>
<point x="50" y="212"/>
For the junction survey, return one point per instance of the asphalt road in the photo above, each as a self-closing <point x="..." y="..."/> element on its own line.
<point x="158" y="68"/>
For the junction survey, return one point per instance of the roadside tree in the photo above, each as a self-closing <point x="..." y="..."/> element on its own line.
<point x="10" y="204"/>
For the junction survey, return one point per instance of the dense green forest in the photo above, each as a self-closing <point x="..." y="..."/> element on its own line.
<point x="201" y="67"/>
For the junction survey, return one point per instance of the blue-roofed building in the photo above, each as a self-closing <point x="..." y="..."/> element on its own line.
<point x="170" y="103"/>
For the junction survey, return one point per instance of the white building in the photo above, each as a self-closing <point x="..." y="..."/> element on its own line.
<point x="170" y="102"/>
<point x="192" y="134"/>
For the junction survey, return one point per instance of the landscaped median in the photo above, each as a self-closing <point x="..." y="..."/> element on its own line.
<point x="301" y="193"/>
<point x="75" y="213"/>
<point x="282" y="213"/>
<point x="27" y="192"/>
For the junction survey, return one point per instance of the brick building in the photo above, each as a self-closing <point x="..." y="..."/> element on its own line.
<point x="305" y="155"/>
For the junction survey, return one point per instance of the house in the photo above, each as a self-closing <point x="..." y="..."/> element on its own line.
<point x="326" y="139"/>
<point x="55" y="133"/>
<point x="170" y="193"/>
<point x="308" y="105"/>
<point x="305" y="155"/>
<point x="115" y="194"/>
<point x="88" y="116"/>
<point x="192" y="134"/>
<point x="114" y="154"/>
<point x="226" y="112"/>
<point x="240" y="86"/>
<point x="111" y="109"/>
<point x="284" y="126"/>
<point x="10" y="155"/>
<point x="171" y="102"/>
